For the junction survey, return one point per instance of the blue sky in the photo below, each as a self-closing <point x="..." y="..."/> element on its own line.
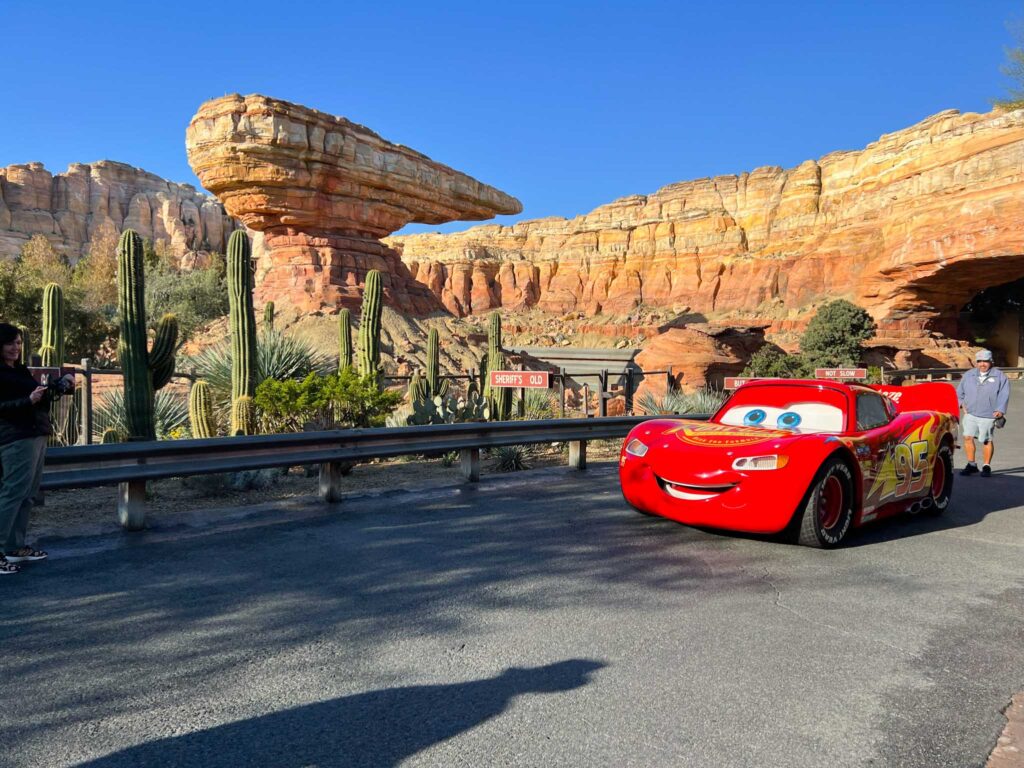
<point x="566" y="105"/>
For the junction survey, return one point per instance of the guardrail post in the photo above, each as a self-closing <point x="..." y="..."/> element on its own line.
<point x="131" y="505"/>
<point x="330" y="481"/>
<point x="578" y="454"/>
<point x="85" y="424"/>
<point x="561" y="392"/>
<point x="469" y="463"/>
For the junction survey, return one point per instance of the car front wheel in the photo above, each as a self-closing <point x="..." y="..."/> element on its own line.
<point x="942" y="480"/>
<point x="828" y="511"/>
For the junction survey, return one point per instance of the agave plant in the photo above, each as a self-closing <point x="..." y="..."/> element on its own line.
<point x="705" y="400"/>
<point x="512" y="458"/>
<point x="539" y="405"/>
<point x="278" y="357"/>
<point x="170" y="415"/>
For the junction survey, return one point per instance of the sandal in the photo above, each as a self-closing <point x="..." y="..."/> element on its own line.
<point x="8" y="569"/>
<point x="25" y="554"/>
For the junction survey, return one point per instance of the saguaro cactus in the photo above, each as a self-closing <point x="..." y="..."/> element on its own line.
<point x="344" y="340"/>
<point x="268" y="315"/>
<point x="369" y="326"/>
<point x="52" y="349"/>
<point x="110" y="436"/>
<point x="144" y="371"/>
<point x="243" y="334"/>
<point x="500" y="398"/>
<point x="200" y="410"/>
<point x="436" y="387"/>
<point x="26" y="346"/>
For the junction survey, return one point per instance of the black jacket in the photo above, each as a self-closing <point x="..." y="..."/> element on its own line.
<point x="19" y="418"/>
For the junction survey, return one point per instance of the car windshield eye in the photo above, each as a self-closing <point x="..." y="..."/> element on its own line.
<point x="754" y="417"/>
<point x="790" y="420"/>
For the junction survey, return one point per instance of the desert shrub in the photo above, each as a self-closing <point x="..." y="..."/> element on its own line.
<point x="195" y="296"/>
<point x="770" y="362"/>
<point x="705" y="400"/>
<point x="170" y="414"/>
<point x="539" y="404"/>
<point x="836" y="335"/>
<point x="278" y="356"/>
<point x="512" y="458"/>
<point x="344" y="399"/>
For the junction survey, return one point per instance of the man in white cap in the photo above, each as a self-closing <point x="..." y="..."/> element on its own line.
<point x="984" y="394"/>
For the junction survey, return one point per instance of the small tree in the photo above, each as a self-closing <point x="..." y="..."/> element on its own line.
<point x="1014" y="70"/>
<point x="771" y="362"/>
<point x="836" y="334"/>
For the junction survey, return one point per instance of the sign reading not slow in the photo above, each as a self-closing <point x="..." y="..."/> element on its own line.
<point x="840" y="373"/>
<point x="521" y="379"/>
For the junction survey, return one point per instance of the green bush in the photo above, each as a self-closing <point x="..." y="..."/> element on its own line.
<point x="331" y="401"/>
<point x="770" y="362"/>
<point x="705" y="400"/>
<point x="540" y="404"/>
<point x="195" y="296"/>
<point x="836" y="335"/>
<point x="278" y="357"/>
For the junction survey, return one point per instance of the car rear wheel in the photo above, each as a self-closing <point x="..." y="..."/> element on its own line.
<point x="942" y="480"/>
<point x="828" y="511"/>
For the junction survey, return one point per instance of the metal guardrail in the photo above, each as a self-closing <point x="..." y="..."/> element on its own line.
<point x="131" y="465"/>
<point x="939" y="374"/>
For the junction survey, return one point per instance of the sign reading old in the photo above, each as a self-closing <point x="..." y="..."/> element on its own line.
<point x="521" y="379"/>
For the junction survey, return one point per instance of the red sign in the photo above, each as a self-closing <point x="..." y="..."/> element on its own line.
<point x="840" y="373"/>
<point x="735" y="382"/>
<point x="521" y="379"/>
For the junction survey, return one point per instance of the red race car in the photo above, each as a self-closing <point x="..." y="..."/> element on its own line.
<point x="816" y="458"/>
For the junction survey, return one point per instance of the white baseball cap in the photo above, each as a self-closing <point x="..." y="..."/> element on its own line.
<point x="983" y="356"/>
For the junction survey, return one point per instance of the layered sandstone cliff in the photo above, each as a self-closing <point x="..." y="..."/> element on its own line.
<point x="70" y="208"/>
<point x="322" y="191"/>
<point x="911" y="227"/>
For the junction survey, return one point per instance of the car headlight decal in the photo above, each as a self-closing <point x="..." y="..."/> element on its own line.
<point x="636" y="448"/>
<point x="746" y="463"/>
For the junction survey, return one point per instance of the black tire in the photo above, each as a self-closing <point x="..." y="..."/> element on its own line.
<point x="941" y="501"/>
<point x="827" y="514"/>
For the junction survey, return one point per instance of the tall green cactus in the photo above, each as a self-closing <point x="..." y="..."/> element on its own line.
<point x="200" y="410"/>
<point x="26" y="345"/>
<point x="145" y="370"/>
<point x="52" y="349"/>
<point x="243" y="334"/>
<point x="436" y="387"/>
<point x="500" y="398"/>
<point x="132" y="353"/>
<point x="344" y="339"/>
<point x="268" y="315"/>
<point x="369" y="327"/>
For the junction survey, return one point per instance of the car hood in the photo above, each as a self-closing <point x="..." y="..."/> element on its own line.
<point x="699" y="451"/>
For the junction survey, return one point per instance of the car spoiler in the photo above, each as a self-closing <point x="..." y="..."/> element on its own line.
<point x="933" y="396"/>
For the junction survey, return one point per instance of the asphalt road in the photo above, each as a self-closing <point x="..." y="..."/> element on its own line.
<point x="534" y="620"/>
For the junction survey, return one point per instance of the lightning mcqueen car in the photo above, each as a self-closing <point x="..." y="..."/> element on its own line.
<point x="811" y="458"/>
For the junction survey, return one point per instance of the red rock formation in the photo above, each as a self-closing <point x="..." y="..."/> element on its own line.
<point x="912" y="227"/>
<point x="322" y="191"/>
<point x="71" y="207"/>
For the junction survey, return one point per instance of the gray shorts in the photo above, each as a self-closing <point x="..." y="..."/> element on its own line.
<point x="975" y="426"/>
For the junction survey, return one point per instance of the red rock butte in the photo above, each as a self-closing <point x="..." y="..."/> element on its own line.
<point x="322" y="191"/>
<point x="912" y="227"/>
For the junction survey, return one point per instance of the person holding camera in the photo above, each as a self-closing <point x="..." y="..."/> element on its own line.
<point x="24" y="427"/>
<point x="984" y="394"/>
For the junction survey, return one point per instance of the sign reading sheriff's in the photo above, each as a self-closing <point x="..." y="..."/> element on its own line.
<point x="840" y="373"/>
<point x="521" y="379"/>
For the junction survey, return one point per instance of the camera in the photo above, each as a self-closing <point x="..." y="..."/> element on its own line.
<point x="61" y="386"/>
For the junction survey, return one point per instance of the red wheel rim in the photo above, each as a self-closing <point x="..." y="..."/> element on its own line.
<point x="938" y="477"/>
<point x="830" y="502"/>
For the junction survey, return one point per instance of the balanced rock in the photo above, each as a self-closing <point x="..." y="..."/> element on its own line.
<point x="70" y="208"/>
<point x="322" y="191"/>
<point x="911" y="228"/>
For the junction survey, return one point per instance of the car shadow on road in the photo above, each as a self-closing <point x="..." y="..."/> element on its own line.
<point x="375" y="729"/>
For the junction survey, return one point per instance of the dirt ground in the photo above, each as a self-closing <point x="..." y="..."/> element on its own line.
<point x="89" y="511"/>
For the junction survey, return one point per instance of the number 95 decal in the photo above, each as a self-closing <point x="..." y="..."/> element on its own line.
<point x="911" y="460"/>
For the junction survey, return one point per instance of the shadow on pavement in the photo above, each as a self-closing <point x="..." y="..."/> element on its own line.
<point x="376" y="729"/>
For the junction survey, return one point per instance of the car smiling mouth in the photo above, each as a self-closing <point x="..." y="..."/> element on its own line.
<point x="692" y="491"/>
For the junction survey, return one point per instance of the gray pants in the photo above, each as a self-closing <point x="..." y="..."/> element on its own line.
<point x="22" y="463"/>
